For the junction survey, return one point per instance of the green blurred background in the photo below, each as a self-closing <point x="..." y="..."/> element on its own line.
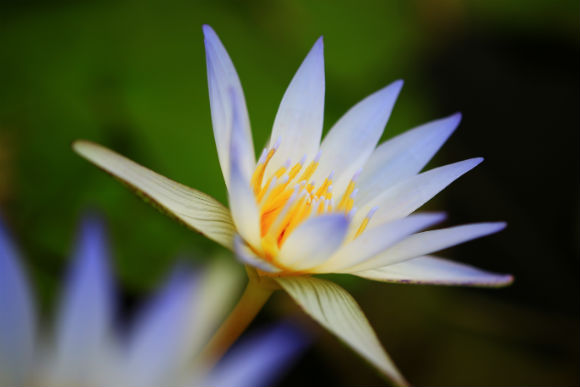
<point x="131" y="75"/>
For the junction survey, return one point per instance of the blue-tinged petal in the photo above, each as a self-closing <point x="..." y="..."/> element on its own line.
<point x="259" y="359"/>
<point x="403" y="156"/>
<point x="373" y="242"/>
<point x="86" y="314"/>
<point x="248" y="257"/>
<point x="221" y="77"/>
<point x="428" y="242"/>
<point x="298" y="123"/>
<point x="242" y="200"/>
<point x="411" y="193"/>
<point x="436" y="271"/>
<point x="314" y="241"/>
<point x="162" y="336"/>
<point x="353" y="138"/>
<point x="17" y="317"/>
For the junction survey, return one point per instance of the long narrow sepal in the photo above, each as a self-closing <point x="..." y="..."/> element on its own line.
<point x="430" y="270"/>
<point x="193" y="208"/>
<point x="336" y="310"/>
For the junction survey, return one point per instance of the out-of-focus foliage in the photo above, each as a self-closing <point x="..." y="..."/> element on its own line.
<point x="131" y="75"/>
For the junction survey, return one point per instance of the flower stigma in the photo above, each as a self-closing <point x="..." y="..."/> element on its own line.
<point x="288" y="197"/>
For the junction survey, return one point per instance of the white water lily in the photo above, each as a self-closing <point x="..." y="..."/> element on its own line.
<point x="86" y="349"/>
<point x="343" y="205"/>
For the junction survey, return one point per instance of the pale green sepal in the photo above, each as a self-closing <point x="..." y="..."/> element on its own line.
<point x="193" y="208"/>
<point x="336" y="310"/>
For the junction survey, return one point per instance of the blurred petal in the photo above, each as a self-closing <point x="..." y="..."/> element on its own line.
<point x="408" y="195"/>
<point x="298" y="123"/>
<point x="374" y="241"/>
<point x="195" y="209"/>
<point x="85" y="318"/>
<point x="436" y="271"/>
<point x="259" y="359"/>
<point x="403" y="156"/>
<point x="219" y="286"/>
<point x="337" y="311"/>
<point x="161" y="340"/>
<point x="17" y="317"/>
<point x="353" y="138"/>
<point x="428" y="242"/>
<point x="314" y="241"/>
<point x="241" y="196"/>
<point x="221" y="77"/>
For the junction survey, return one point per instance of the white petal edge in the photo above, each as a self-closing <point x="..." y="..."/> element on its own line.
<point x="17" y="316"/>
<point x="221" y="77"/>
<point x="86" y="313"/>
<point x="429" y="270"/>
<point x="411" y="193"/>
<point x="243" y="205"/>
<point x="336" y="310"/>
<point x="313" y="241"/>
<point x="193" y="208"/>
<point x="428" y="242"/>
<point x="373" y="242"/>
<point x="351" y="141"/>
<point x="298" y="123"/>
<point x="403" y="156"/>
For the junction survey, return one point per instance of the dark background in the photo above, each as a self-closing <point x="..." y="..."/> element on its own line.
<point x="131" y="75"/>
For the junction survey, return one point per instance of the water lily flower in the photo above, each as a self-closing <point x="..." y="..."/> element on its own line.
<point x="306" y="207"/>
<point x="158" y="351"/>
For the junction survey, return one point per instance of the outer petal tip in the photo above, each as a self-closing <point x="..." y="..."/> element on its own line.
<point x="391" y="91"/>
<point x="456" y="117"/>
<point x="319" y="43"/>
<point x="397" y="85"/>
<point x="500" y="225"/>
<point x="507" y="280"/>
<point x="208" y="32"/>
<point x="475" y="161"/>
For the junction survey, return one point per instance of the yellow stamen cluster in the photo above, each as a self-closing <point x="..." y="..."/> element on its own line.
<point x="289" y="197"/>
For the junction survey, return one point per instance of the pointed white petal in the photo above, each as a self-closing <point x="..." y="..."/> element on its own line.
<point x="17" y="317"/>
<point x="258" y="360"/>
<point x="374" y="241"/>
<point x="311" y="243"/>
<point x="336" y="310"/>
<point x="84" y="322"/>
<point x="353" y="138"/>
<point x="403" y="156"/>
<point x="436" y="271"/>
<point x="411" y="193"/>
<point x="248" y="257"/>
<point x="160" y="344"/>
<point x="195" y="209"/>
<point x="298" y="123"/>
<point x="221" y="77"/>
<point x="242" y="200"/>
<point x="428" y="242"/>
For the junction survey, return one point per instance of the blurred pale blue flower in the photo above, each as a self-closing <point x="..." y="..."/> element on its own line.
<point x="159" y="349"/>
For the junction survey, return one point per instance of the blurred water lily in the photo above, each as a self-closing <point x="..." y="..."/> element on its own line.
<point x="158" y="349"/>
<point x="307" y="207"/>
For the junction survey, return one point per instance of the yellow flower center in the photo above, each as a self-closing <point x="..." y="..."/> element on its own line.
<point x="289" y="197"/>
